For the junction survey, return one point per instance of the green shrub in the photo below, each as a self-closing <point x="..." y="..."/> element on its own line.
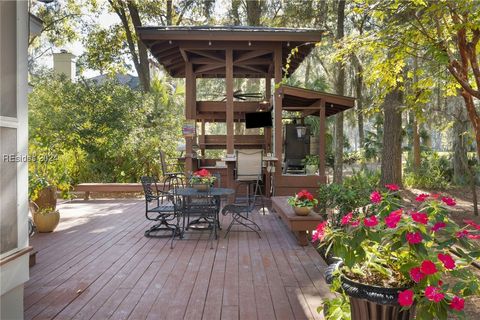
<point x="343" y="198"/>
<point x="435" y="173"/>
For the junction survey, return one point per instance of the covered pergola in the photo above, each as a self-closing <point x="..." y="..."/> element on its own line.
<point x="244" y="52"/>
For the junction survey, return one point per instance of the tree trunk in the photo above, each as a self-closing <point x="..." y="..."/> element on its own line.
<point x="391" y="167"/>
<point x="340" y="86"/>
<point x="359" y="96"/>
<point x="460" y="127"/>
<point x="169" y="13"/>
<point x="254" y="12"/>
<point x="417" y="156"/>
<point x="143" y="69"/>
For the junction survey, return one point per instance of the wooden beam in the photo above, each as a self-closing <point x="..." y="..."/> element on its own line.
<point x="277" y="60"/>
<point x="165" y="53"/>
<point x="322" y="142"/>
<point x="207" y="54"/>
<point x="221" y="106"/>
<point x="229" y="91"/>
<point x="222" y="45"/>
<point x="203" y="60"/>
<point x="251" y="68"/>
<point x="209" y="67"/>
<point x="257" y="61"/>
<point x="251" y="54"/>
<point x="184" y="54"/>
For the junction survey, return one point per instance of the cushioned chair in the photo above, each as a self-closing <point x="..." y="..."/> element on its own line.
<point x="249" y="167"/>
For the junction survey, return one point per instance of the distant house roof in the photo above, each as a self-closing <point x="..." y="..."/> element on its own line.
<point x="124" y="79"/>
<point x="204" y="47"/>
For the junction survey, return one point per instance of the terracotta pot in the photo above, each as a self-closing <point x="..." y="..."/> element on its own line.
<point x="201" y="187"/>
<point x="46" y="222"/>
<point x="302" y="211"/>
<point x="371" y="302"/>
<point x="47" y="199"/>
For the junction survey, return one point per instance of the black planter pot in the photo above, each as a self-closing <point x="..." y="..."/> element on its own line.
<point x="370" y="302"/>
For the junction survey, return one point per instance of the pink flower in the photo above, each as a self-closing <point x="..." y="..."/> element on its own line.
<point x="375" y="197"/>
<point x="435" y="196"/>
<point x="392" y="187"/>
<point x="405" y="298"/>
<point x="457" y="303"/>
<point x="461" y="234"/>
<point x="414" y="237"/>
<point x="447" y="261"/>
<point x="449" y="201"/>
<point x="347" y="218"/>
<point x="437" y="226"/>
<point x="472" y="224"/>
<point x="370" y="221"/>
<point x="416" y="274"/>
<point x="433" y="294"/>
<point x="420" y="217"/>
<point x="421" y="197"/>
<point x="428" y="267"/>
<point x="319" y="233"/>
<point x="393" y="218"/>
<point x="473" y="236"/>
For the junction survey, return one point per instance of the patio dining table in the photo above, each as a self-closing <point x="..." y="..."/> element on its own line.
<point x="189" y="194"/>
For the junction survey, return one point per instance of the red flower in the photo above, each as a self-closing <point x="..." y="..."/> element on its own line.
<point x="420" y="217"/>
<point x="371" y="221"/>
<point x="461" y="234"/>
<point x="375" y="197"/>
<point x="304" y="194"/>
<point x="435" y="196"/>
<point x="405" y="298"/>
<point x="457" y="303"/>
<point x="437" y="226"/>
<point x="414" y="237"/>
<point x="319" y="233"/>
<point x="355" y="223"/>
<point x="393" y="218"/>
<point x="433" y="294"/>
<point x="416" y="274"/>
<point x="392" y="187"/>
<point x="472" y="224"/>
<point x="428" y="267"/>
<point x="347" y="218"/>
<point x="421" y="197"/>
<point x="202" y="173"/>
<point x="447" y="261"/>
<point x="449" y="201"/>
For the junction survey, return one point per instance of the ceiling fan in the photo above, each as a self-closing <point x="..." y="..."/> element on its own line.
<point x="239" y="95"/>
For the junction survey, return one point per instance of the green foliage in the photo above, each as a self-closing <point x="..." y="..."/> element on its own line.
<point x="436" y="172"/>
<point x="102" y="133"/>
<point x="311" y="160"/>
<point x="343" y="198"/>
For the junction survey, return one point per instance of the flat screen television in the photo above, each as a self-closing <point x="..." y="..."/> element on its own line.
<point x="258" y="119"/>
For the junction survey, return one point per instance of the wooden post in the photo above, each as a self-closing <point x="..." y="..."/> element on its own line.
<point x="229" y="115"/>
<point x="202" y="133"/>
<point x="190" y="100"/>
<point x="268" y="131"/>
<point x="321" y="140"/>
<point x="277" y="98"/>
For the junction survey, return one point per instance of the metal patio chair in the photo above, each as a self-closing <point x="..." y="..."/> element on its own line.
<point x="163" y="207"/>
<point x="249" y="167"/>
<point x="240" y="217"/>
<point x="170" y="178"/>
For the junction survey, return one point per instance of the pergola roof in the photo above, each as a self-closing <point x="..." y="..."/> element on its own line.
<point x="204" y="47"/>
<point x="299" y="99"/>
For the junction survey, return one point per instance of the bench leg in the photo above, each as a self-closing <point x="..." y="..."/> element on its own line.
<point x="87" y="195"/>
<point x="302" y="238"/>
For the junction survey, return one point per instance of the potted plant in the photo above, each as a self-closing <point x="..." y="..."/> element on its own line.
<point x="302" y="203"/>
<point x="311" y="164"/>
<point x="202" y="180"/>
<point x="397" y="263"/>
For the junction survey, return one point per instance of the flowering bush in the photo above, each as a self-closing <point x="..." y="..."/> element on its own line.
<point x="303" y="199"/>
<point x="390" y="246"/>
<point x="202" y="176"/>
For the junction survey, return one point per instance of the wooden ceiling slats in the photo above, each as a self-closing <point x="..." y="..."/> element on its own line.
<point x="208" y="54"/>
<point x="251" y="54"/>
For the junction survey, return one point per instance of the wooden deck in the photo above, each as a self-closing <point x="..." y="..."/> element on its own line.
<point x="98" y="265"/>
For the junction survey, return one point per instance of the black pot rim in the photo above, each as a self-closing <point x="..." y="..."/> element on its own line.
<point x="377" y="294"/>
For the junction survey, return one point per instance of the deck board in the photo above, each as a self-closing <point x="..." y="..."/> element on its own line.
<point x="98" y="265"/>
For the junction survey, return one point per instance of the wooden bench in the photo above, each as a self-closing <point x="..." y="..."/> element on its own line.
<point x="298" y="224"/>
<point x="107" y="187"/>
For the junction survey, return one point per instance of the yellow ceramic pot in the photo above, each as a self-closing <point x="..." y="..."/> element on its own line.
<point x="302" y="211"/>
<point x="46" y="222"/>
